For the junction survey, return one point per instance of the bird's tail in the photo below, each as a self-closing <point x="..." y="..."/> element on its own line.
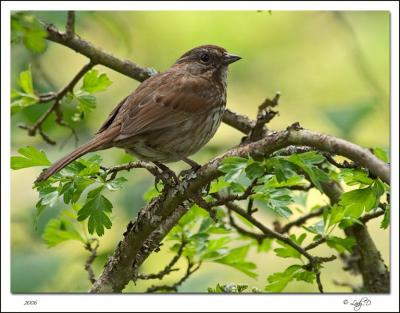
<point x="97" y="143"/>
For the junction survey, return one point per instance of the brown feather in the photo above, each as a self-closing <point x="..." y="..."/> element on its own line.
<point x="100" y="141"/>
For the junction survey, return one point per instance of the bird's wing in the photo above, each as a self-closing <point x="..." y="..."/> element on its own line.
<point x="160" y="104"/>
<point x="111" y="117"/>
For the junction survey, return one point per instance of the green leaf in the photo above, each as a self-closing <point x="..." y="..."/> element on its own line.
<point x="96" y="208"/>
<point x="309" y="158"/>
<point x="236" y="259"/>
<point x="381" y="154"/>
<point x="279" y="281"/>
<point x="86" y="104"/>
<point x="255" y="170"/>
<point x="25" y="82"/>
<point x="27" y="97"/>
<point x="60" y="230"/>
<point x="356" y="176"/>
<point x="295" y="180"/>
<point x="386" y="218"/>
<point x="93" y="82"/>
<point x="341" y="244"/>
<point x="356" y="201"/>
<point x="305" y="275"/>
<point x="217" y="185"/>
<point x="337" y="214"/>
<point x="307" y="161"/>
<point x="275" y="199"/>
<point x="265" y="245"/>
<point x="152" y="192"/>
<point x="115" y="184"/>
<point x="30" y="157"/>
<point x="288" y="251"/>
<point x="72" y="190"/>
<point x="233" y="167"/>
<point x="318" y="228"/>
<point x="27" y="28"/>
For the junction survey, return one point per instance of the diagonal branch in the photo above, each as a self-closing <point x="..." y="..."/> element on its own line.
<point x="119" y="268"/>
<point x="98" y="56"/>
<point x="168" y="269"/>
<point x="55" y="107"/>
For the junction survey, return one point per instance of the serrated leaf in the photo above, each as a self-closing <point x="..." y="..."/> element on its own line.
<point x="236" y="259"/>
<point x="381" y="154"/>
<point x="341" y="244"/>
<point x="25" y="82"/>
<point x="115" y="184"/>
<point x="356" y="201"/>
<point x="288" y="251"/>
<point x="94" y="82"/>
<point x="255" y="170"/>
<point x="30" y="157"/>
<point x="355" y="176"/>
<point x="318" y="228"/>
<point x="306" y="162"/>
<point x="95" y="209"/>
<point x="279" y="281"/>
<point x="304" y="275"/>
<point x="233" y="167"/>
<point x="275" y="199"/>
<point x="386" y="218"/>
<point x="265" y="245"/>
<point x="26" y="28"/>
<point x="217" y="185"/>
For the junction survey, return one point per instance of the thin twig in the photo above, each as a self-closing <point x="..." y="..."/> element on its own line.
<point x="55" y="106"/>
<point x="318" y="279"/>
<point x="269" y="233"/>
<point x="264" y="116"/>
<point x="168" y="269"/>
<point x="315" y="243"/>
<point x="154" y="170"/>
<point x="91" y="258"/>
<point x="191" y="268"/>
<point x="70" y="26"/>
<point x="301" y="220"/>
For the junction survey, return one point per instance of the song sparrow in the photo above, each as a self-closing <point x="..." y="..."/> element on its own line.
<point x="169" y="116"/>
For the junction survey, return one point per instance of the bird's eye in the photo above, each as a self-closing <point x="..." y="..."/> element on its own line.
<point x="204" y="58"/>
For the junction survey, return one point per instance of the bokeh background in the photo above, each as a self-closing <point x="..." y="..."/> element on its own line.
<point x="332" y="69"/>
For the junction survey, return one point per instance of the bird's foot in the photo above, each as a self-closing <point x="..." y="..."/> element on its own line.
<point x="194" y="167"/>
<point x="168" y="176"/>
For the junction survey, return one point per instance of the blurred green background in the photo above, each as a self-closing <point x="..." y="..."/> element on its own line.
<point x="332" y="70"/>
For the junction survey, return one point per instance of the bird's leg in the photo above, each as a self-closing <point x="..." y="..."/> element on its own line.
<point x="168" y="172"/>
<point x="194" y="165"/>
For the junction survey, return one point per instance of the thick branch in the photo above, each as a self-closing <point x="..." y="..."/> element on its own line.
<point x="114" y="277"/>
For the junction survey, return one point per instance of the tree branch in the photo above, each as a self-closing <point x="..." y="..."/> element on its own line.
<point x="168" y="269"/>
<point x="161" y="214"/>
<point x="191" y="268"/>
<point x="300" y="221"/>
<point x="55" y="107"/>
<point x="97" y="55"/>
<point x="70" y="26"/>
<point x="90" y="259"/>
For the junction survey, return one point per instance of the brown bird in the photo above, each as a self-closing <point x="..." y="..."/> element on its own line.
<point x="170" y="116"/>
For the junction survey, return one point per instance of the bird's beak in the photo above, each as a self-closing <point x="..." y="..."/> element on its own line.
<point x="230" y="58"/>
